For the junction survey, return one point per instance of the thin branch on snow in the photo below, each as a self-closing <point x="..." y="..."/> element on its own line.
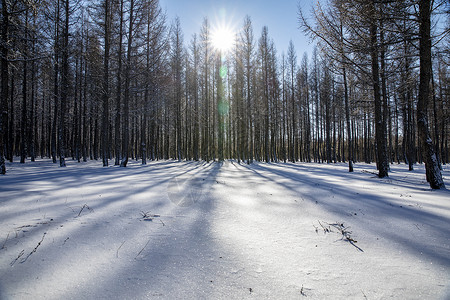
<point x="34" y="250"/>
<point x="117" y="252"/>
<point x="17" y="258"/>
<point x="84" y="206"/>
<point x="3" y="247"/>
<point x="346" y="234"/>
<point x="142" y="249"/>
<point x="325" y="229"/>
<point x="147" y="216"/>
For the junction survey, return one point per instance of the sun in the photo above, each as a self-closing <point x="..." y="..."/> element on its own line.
<point x="223" y="38"/>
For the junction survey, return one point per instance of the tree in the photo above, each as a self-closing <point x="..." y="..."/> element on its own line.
<point x="4" y="84"/>
<point x="62" y="134"/>
<point x="380" y="125"/>
<point x="264" y="49"/>
<point x="433" y="173"/>
<point x="195" y="87"/>
<point x="126" y="98"/>
<point x="325" y="95"/>
<point x="177" y="59"/>
<point x="247" y="52"/>
<point x="292" y="65"/>
<point x="107" y="11"/>
<point x="24" y="119"/>
<point x="362" y="19"/>
<point x="205" y="40"/>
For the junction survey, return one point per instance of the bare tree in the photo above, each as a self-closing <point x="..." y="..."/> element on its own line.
<point x="4" y="84"/>
<point x="433" y="173"/>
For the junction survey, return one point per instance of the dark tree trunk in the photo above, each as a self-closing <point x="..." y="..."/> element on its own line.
<point x="196" y="102"/>
<point x="55" y="86"/>
<point x="24" y="121"/>
<point x="119" y="92"/>
<point x="105" y="115"/>
<point x="126" y="125"/>
<point x="4" y="86"/>
<point x="380" y="125"/>
<point x="32" y="129"/>
<point x="64" y="88"/>
<point x="347" y="121"/>
<point x="433" y="174"/>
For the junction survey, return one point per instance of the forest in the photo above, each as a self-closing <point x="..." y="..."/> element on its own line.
<point x="140" y="162"/>
<point x="116" y="80"/>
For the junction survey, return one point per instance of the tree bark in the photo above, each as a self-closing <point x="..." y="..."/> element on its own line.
<point x="380" y="125"/>
<point x="4" y="86"/>
<point x="126" y="125"/>
<point x="64" y="87"/>
<point x="433" y="173"/>
<point x="105" y="118"/>
<point x="24" y="121"/>
<point x="119" y="91"/>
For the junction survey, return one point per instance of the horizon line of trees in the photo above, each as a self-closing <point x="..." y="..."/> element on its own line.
<point x="113" y="79"/>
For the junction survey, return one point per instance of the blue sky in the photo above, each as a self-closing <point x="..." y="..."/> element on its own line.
<point x="280" y="16"/>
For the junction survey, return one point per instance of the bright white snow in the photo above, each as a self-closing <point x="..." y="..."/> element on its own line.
<point x="187" y="230"/>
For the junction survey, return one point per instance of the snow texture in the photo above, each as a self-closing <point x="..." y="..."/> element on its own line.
<point x="189" y="230"/>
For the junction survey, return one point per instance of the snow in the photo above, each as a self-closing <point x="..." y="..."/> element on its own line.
<point x="191" y="230"/>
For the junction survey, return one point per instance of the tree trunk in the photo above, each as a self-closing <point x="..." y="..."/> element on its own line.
<point x="433" y="174"/>
<point x="119" y="91"/>
<point x="380" y="136"/>
<point x="64" y="87"/>
<point x="105" y="118"/>
<point x="4" y="86"/>
<point x="126" y="125"/>
<point x="55" y="85"/>
<point x="24" y="121"/>
<point x="347" y="121"/>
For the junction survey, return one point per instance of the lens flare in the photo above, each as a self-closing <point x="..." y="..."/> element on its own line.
<point x="222" y="38"/>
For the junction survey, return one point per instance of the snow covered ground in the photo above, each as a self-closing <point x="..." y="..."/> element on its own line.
<point x="188" y="230"/>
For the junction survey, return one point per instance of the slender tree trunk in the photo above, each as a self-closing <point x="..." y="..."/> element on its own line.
<point x="220" y="107"/>
<point x="385" y="105"/>
<point x="84" y="119"/>
<point x="64" y="88"/>
<point x="126" y="125"/>
<point x="434" y="176"/>
<point x="55" y="85"/>
<point x="24" y="121"/>
<point x="77" y="110"/>
<point x="196" y="102"/>
<point x="105" y="116"/>
<point x="4" y="85"/>
<point x="347" y="121"/>
<point x="435" y="118"/>
<point x="346" y="106"/>
<point x="379" y="124"/>
<point x="118" y="152"/>
<point x="32" y="128"/>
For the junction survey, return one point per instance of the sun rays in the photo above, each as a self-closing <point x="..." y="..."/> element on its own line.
<point x="223" y="38"/>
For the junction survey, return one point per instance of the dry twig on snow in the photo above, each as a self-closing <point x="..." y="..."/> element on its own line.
<point x="35" y="248"/>
<point x="142" y="249"/>
<point x="117" y="252"/>
<point x="84" y="206"/>
<point x="17" y="258"/>
<point x="3" y="247"/>
<point x="346" y="234"/>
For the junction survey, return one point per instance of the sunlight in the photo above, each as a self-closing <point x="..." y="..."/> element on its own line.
<point x="222" y="38"/>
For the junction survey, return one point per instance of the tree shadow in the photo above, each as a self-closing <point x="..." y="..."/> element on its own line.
<point x="383" y="209"/>
<point x="153" y="246"/>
